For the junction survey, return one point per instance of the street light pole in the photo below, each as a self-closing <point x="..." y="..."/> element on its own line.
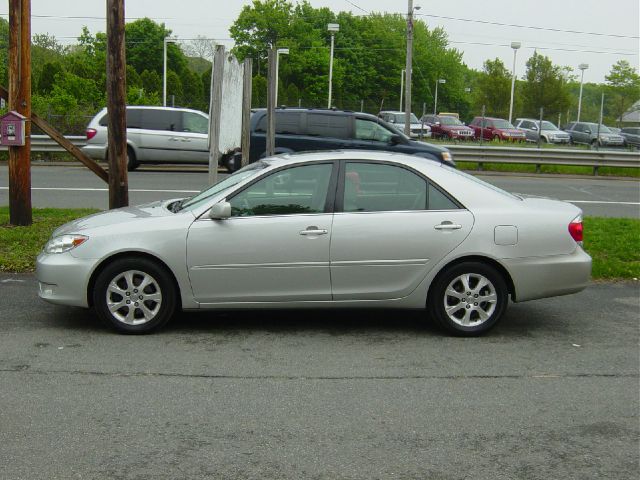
<point x="408" y="69"/>
<point x="582" y="67"/>
<point x="164" y="68"/>
<point x="333" y="28"/>
<point x="515" y="46"/>
<point x="280" y="51"/>
<point x="435" y="102"/>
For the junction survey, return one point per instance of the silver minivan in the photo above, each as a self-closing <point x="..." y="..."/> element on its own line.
<point x="154" y="135"/>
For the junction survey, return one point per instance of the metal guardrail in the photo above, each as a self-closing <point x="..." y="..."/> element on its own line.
<point x="43" y="143"/>
<point x="545" y="156"/>
<point x="479" y="154"/>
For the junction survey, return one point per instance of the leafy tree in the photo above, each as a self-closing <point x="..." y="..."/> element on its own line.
<point x="545" y="87"/>
<point x="144" y="47"/>
<point x="493" y="89"/>
<point x="623" y="84"/>
<point x="46" y="78"/>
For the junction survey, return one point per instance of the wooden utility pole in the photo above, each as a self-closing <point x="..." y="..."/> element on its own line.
<point x="246" y="112"/>
<point x="271" y="96"/>
<point x="407" y="73"/>
<point x="20" y="101"/>
<point x="116" y="105"/>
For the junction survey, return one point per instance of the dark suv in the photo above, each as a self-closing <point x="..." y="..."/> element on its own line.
<point x="299" y="130"/>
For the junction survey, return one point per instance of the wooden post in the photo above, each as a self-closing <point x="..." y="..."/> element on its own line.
<point x="215" y="109"/>
<point x="271" y="95"/>
<point x="116" y="105"/>
<point x="246" y="112"/>
<point x="20" y="101"/>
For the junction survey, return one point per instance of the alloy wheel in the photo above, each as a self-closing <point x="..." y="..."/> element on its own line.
<point x="470" y="300"/>
<point x="134" y="297"/>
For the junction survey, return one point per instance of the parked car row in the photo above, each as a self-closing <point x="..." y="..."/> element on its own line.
<point x="180" y="135"/>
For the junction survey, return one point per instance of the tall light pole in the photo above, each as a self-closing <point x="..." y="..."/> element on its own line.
<point x="164" y="68"/>
<point x="408" y="69"/>
<point x="515" y="46"/>
<point x="583" y="67"/>
<point x="333" y="28"/>
<point x="435" y="102"/>
<point x="401" y="89"/>
<point x="280" y="51"/>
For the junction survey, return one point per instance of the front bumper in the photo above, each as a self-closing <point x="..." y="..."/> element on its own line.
<point x="63" y="278"/>
<point x="541" y="277"/>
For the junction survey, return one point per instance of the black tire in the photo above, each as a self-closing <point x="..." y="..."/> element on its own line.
<point x="496" y="138"/>
<point x="161" y="307"/>
<point x="132" y="163"/>
<point x="438" y="296"/>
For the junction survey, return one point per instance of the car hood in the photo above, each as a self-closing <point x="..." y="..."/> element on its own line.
<point x="455" y="128"/>
<point x="426" y="147"/>
<point x="116" y="217"/>
<point x="512" y="131"/>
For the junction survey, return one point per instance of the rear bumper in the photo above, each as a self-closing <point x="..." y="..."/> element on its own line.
<point x="97" y="152"/>
<point x="541" y="277"/>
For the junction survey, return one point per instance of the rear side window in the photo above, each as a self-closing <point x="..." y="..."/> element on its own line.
<point x="134" y="118"/>
<point x="326" y="125"/>
<point x="288" y="123"/>
<point x="166" y="120"/>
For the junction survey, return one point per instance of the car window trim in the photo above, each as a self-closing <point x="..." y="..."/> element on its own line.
<point x="339" y="200"/>
<point x="329" y="201"/>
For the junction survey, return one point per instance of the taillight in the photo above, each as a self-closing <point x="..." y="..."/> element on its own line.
<point x="91" y="132"/>
<point x="576" y="229"/>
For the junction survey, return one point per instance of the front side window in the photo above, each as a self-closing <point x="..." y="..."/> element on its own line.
<point x="296" y="190"/>
<point x="192" y="122"/>
<point x="368" y="130"/>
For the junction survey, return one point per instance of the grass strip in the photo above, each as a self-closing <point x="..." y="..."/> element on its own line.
<point x="614" y="243"/>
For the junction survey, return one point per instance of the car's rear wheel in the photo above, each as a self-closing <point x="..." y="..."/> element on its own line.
<point x="496" y="138"/>
<point x="132" y="162"/>
<point x="468" y="299"/>
<point x="134" y="295"/>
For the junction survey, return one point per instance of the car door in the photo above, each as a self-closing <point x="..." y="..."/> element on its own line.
<point x="158" y="139"/>
<point x="275" y="245"/>
<point x="193" y="138"/>
<point x="390" y="228"/>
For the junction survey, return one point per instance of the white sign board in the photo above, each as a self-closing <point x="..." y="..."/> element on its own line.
<point x="231" y="106"/>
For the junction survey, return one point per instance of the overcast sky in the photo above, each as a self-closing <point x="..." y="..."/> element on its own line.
<point x="616" y="23"/>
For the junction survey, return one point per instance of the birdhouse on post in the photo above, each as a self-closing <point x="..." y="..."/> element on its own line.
<point x="12" y="126"/>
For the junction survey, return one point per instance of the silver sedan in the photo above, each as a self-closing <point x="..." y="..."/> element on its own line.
<point x="334" y="229"/>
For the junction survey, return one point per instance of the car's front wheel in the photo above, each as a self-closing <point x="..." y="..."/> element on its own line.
<point x="134" y="295"/>
<point x="468" y="299"/>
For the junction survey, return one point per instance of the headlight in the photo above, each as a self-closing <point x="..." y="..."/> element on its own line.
<point x="64" y="243"/>
<point x="447" y="157"/>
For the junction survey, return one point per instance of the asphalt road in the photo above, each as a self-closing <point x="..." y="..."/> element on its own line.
<point x="76" y="186"/>
<point x="550" y="393"/>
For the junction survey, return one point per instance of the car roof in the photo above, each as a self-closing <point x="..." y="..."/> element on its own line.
<point x="349" y="154"/>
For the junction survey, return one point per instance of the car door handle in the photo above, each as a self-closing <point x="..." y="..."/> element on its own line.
<point x="448" y="226"/>
<point x="173" y="139"/>
<point x="313" y="231"/>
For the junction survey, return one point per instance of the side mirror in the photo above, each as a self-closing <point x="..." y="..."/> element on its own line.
<point x="437" y="124"/>
<point x="395" y="139"/>
<point x="220" y="211"/>
<point x="588" y="130"/>
<point x="534" y="128"/>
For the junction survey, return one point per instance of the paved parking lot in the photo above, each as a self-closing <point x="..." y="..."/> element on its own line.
<point x="551" y="393"/>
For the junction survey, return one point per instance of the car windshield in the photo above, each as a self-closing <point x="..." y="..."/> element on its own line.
<point x="548" y="126"/>
<point x="594" y="128"/>
<point x="501" y="124"/>
<point x="449" y="121"/>
<point x="400" y="118"/>
<point x="224" y="184"/>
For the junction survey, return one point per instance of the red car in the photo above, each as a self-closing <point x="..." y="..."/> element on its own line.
<point x="446" y="126"/>
<point x="497" y="129"/>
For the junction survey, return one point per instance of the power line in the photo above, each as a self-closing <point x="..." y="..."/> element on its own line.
<point x="548" y="29"/>
<point x="358" y="7"/>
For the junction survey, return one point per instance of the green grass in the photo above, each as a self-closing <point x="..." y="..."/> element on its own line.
<point x="19" y="246"/>
<point x="562" y="169"/>
<point x="614" y="243"/>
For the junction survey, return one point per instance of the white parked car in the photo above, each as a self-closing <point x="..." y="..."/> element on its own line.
<point x="154" y="135"/>
<point x="332" y="229"/>
<point x="397" y="119"/>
